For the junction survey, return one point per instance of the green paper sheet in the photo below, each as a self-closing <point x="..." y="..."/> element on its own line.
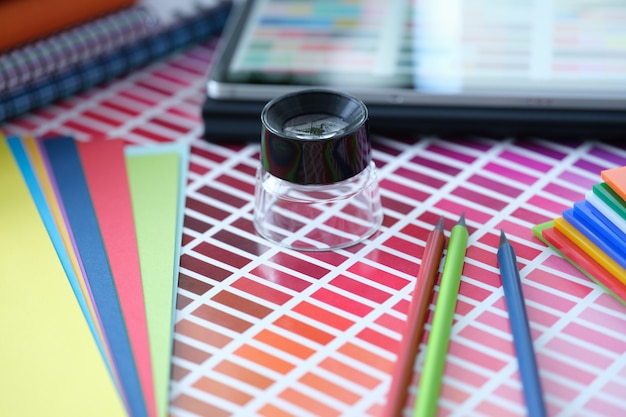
<point x="50" y="364"/>
<point x="157" y="178"/>
<point x="611" y="198"/>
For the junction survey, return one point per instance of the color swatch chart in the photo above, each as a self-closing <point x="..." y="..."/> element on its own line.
<point x="264" y="331"/>
<point x="311" y="37"/>
<point x="521" y="45"/>
<point x="572" y="39"/>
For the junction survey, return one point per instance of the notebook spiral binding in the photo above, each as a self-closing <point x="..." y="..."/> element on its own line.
<point x="31" y="62"/>
<point x="122" y="49"/>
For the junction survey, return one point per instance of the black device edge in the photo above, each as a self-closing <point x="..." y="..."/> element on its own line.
<point x="238" y="121"/>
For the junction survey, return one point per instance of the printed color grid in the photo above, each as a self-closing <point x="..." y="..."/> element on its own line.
<point x="263" y="331"/>
<point x="306" y="38"/>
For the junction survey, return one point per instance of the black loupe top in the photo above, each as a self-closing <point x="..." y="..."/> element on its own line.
<point x="315" y="137"/>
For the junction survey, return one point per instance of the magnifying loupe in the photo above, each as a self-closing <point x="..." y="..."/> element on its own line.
<point x="316" y="186"/>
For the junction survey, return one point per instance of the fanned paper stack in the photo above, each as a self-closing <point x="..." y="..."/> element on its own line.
<point x="90" y="232"/>
<point x="591" y="234"/>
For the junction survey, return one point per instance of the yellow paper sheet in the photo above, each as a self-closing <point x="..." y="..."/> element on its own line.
<point x="50" y="364"/>
<point x="590" y="249"/>
<point x="38" y="166"/>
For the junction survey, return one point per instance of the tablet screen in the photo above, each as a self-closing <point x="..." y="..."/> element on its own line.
<point x="558" y="52"/>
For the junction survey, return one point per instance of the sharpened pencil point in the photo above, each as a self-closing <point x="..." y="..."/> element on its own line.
<point x="440" y="224"/>
<point x="503" y="239"/>
<point x="522" y="339"/>
<point x="443" y="318"/>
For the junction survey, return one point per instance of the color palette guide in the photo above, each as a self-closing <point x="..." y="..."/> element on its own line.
<point x="112" y="215"/>
<point x="264" y="331"/>
<point x="352" y="37"/>
<point x="591" y="234"/>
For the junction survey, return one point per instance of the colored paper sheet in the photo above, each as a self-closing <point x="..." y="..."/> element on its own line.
<point x="610" y="215"/>
<point x="579" y="259"/>
<point x="611" y="198"/>
<point x="67" y="170"/>
<point x="66" y="246"/>
<point x="586" y="245"/>
<point x="600" y="225"/>
<point x="50" y="364"/>
<point x="156" y="184"/>
<point x="51" y="200"/>
<point x="19" y="150"/>
<point x="606" y="245"/>
<point x="104" y="164"/>
<point x="616" y="179"/>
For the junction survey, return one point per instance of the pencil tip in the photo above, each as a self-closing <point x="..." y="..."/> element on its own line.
<point x="440" y="224"/>
<point x="503" y="239"/>
<point x="461" y="219"/>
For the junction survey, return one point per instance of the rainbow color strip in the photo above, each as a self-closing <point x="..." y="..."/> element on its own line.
<point x="591" y="235"/>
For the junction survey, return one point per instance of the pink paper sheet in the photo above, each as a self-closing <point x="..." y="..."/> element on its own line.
<point x="105" y="169"/>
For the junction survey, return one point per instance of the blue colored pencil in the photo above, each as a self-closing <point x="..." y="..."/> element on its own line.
<point x="521" y="331"/>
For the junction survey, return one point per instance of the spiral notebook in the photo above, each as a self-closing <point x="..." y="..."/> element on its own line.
<point x="94" y="53"/>
<point x="37" y="60"/>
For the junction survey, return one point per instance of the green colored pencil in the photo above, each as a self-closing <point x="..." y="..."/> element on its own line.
<point x="437" y="348"/>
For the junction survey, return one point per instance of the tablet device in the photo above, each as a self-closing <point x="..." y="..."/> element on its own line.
<point x="472" y="66"/>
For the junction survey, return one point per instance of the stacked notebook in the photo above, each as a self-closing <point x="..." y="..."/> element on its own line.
<point x="74" y="60"/>
<point x="106" y="219"/>
<point x="592" y="233"/>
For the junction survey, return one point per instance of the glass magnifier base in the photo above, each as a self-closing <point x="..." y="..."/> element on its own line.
<point x="317" y="217"/>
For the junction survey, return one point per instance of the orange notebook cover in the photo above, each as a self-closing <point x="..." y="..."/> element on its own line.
<point x="24" y="21"/>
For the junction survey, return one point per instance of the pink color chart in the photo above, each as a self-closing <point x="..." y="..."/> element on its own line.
<point x="265" y="331"/>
